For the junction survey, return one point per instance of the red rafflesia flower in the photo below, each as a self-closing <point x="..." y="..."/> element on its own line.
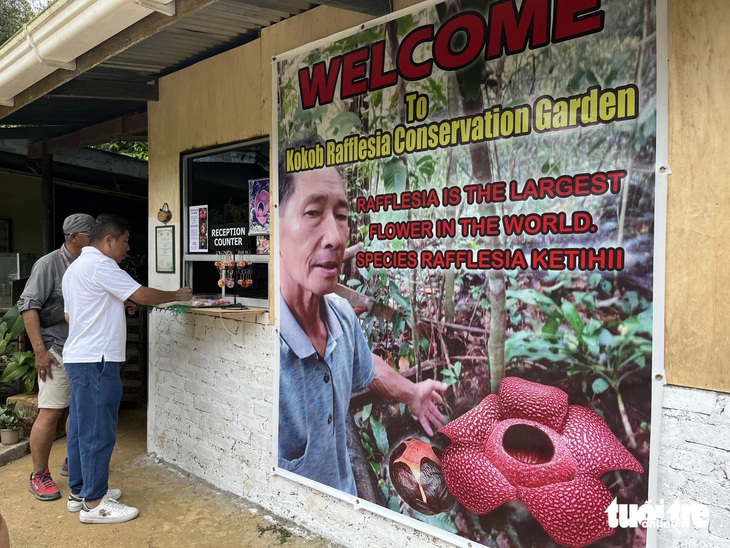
<point x="527" y="443"/>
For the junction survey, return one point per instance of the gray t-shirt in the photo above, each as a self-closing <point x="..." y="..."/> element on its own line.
<point x="43" y="293"/>
<point x="314" y="394"/>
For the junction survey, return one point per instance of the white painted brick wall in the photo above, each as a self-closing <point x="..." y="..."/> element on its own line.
<point x="694" y="463"/>
<point x="210" y="412"/>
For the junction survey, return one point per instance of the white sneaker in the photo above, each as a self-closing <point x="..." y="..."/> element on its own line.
<point x="108" y="511"/>
<point x="74" y="503"/>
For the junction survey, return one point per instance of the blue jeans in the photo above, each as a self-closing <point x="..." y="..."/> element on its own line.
<point x="96" y="391"/>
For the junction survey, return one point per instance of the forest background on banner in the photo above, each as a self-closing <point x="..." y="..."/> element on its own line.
<point x="431" y="313"/>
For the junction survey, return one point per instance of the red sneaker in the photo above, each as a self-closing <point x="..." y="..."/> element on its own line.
<point x="42" y="486"/>
<point x="64" y="468"/>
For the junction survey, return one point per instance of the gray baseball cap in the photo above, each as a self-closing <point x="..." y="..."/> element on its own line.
<point x="78" y="222"/>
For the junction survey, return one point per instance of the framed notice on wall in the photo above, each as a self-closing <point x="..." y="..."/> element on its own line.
<point x="165" y="249"/>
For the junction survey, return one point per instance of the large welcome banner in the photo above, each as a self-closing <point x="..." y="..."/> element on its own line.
<point x="499" y="164"/>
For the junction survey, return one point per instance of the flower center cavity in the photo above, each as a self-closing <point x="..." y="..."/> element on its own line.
<point x="528" y="444"/>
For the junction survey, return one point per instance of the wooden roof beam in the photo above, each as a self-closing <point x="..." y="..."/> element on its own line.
<point x="28" y="132"/>
<point x="106" y="89"/>
<point x="125" y="127"/>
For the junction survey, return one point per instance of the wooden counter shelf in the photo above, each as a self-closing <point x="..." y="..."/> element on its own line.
<point x="234" y="313"/>
<point x="225" y="312"/>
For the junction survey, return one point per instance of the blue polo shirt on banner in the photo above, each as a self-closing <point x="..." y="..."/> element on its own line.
<point x="314" y="394"/>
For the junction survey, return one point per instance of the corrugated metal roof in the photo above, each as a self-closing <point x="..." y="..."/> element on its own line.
<point x="211" y="30"/>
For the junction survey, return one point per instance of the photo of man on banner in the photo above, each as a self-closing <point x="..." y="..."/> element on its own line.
<point x="466" y="210"/>
<point x="324" y="354"/>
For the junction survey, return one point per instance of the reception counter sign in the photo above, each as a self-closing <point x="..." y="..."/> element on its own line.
<point x="469" y="208"/>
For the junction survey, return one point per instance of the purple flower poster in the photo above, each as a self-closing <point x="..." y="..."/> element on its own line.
<point x="258" y="192"/>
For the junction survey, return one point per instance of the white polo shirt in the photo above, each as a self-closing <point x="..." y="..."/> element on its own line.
<point x="94" y="291"/>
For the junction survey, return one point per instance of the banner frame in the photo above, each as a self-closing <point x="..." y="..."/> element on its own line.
<point x="662" y="170"/>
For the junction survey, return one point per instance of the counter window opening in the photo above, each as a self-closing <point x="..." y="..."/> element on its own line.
<point x="217" y="200"/>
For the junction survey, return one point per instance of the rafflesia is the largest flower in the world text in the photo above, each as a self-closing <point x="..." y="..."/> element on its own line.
<point x="527" y="443"/>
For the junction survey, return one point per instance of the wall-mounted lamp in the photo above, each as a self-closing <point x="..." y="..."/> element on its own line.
<point x="164" y="214"/>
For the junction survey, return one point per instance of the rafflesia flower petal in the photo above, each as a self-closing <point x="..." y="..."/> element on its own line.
<point x="529" y="444"/>
<point x="475" y="425"/>
<point x="523" y="399"/>
<point x="593" y="444"/>
<point x="473" y="480"/>
<point x="572" y="513"/>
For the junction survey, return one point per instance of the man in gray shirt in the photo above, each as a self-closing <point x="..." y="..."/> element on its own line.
<point x="41" y="305"/>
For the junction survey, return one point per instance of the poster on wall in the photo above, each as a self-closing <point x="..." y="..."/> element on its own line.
<point x="258" y="199"/>
<point x="198" y="229"/>
<point x="466" y="203"/>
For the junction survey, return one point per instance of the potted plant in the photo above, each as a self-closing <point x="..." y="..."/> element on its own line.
<point x="10" y="420"/>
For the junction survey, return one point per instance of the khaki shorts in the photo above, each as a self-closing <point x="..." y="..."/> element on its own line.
<point x="55" y="393"/>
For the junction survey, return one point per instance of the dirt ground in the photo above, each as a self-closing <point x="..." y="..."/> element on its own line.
<point x="176" y="509"/>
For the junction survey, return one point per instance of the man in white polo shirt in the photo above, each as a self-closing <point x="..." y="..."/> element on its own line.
<point x="94" y="291"/>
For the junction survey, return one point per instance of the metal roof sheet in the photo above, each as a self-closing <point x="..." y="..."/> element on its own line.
<point x="209" y="31"/>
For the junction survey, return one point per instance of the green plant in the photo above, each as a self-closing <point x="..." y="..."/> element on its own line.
<point x="451" y="375"/>
<point x="604" y="349"/>
<point x="10" y="417"/>
<point x="397" y="331"/>
<point x="21" y="366"/>
<point x="374" y="438"/>
<point x="22" y="363"/>
<point x="11" y="326"/>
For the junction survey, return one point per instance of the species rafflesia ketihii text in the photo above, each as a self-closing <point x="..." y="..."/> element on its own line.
<point x="527" y="443"/>
<point x="415" y="470"/>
